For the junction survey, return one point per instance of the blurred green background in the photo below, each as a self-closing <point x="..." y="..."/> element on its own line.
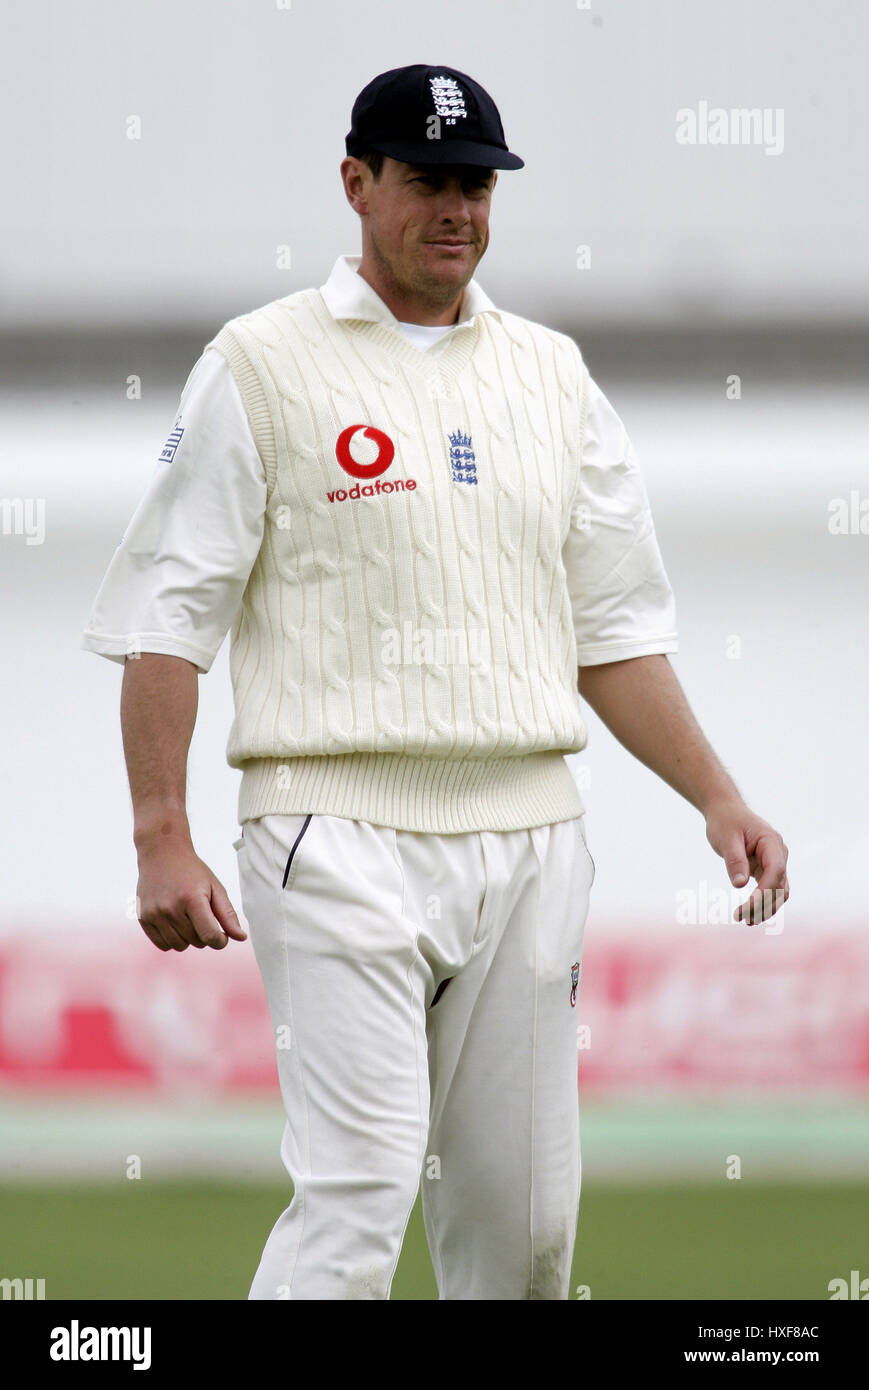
<point x="203" y="1241"/>
<point x="659" y="1216"/>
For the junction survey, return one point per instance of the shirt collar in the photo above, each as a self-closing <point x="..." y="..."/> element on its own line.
<point x="349" y="296"/>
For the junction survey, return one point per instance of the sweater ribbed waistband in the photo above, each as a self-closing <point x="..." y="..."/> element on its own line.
<point x="441" y="796"/>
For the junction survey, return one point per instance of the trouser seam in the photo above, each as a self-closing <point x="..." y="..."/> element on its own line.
<point x="422" y="1111"/>
<point x="298" y="1188"/>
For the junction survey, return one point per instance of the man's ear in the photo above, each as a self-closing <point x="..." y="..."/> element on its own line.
<point x="352" y="178"/>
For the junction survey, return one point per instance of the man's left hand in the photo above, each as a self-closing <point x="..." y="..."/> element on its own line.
<point x="750" y="846"/>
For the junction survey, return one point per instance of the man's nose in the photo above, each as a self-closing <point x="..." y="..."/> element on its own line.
<point x="454" y="205"/>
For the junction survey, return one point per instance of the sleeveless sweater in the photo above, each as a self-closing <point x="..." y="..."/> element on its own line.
<point x="404" y="652"/>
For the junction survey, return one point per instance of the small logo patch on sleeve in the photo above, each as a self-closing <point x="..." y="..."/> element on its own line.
<point x="171" y="445"/>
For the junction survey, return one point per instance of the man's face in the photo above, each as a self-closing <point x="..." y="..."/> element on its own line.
<point x="427" y="227"/>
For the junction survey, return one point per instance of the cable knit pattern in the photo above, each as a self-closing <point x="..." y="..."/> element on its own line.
<point x="406" y="655"/>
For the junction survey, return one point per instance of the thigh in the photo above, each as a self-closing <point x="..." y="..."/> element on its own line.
<point x="324" y="902"/>
<point x="507" y="1024"/>
<point x="505" y="1109"/>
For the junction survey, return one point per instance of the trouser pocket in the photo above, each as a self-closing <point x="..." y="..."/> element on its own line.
<point x="585" y="843"/>
<point x="292" y="863"/>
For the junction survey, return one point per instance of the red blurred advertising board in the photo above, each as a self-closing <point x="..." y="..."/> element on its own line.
<point x="702" y="1007"/>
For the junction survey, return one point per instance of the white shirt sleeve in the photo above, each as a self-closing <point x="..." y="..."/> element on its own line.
<point x="622" y="602"/>
<point x="176" y="580"/>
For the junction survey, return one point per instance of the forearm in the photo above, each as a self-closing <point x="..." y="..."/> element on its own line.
<point x="643" y="705"/>
<point x="159" y="701"/>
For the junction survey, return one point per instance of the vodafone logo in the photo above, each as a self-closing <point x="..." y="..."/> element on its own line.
<point x="366" y="471"/>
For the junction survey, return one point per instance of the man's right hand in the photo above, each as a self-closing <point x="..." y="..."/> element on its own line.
<point x="181" y="903"/>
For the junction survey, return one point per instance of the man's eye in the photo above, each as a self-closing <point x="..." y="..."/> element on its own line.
<point x="478" y="186"/>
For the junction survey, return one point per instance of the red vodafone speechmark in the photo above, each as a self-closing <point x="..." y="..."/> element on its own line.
<point x="364" y="470"/>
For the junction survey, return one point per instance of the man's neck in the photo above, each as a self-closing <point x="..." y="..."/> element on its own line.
<point x="409" y="308"/>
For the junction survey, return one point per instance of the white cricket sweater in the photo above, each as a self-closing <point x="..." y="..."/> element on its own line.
<point x="404" y="651"/>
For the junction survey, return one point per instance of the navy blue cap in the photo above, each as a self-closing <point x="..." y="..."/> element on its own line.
<point x="429" y="115"/>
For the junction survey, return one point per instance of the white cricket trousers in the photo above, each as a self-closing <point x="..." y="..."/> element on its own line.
<point x="423" y="991"/>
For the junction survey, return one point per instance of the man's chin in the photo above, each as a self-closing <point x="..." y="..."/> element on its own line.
<point x="453" y="272"/>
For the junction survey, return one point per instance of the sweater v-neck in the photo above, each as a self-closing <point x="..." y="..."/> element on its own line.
<point x="439" y="364"/>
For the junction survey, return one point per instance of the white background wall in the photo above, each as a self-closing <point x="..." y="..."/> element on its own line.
<point x="244" y="107"/>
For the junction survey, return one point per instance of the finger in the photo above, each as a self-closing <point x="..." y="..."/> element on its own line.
<point x="187" y="932"/>
<point x="747" y="910"/>
<point x="172" y="931"/>
<point x="737" y="861"/>
<point x="205" y="925"/>
<point x="766" y="902"/>
<point x="774" y="900"/>
<point x="763" y="904"/>
<point x="769" y="849"/>
<point x="768" y="867"/>
<point x="183" y="930"/>
<point x="225" y="912"/>
<point x="154" y="936"/>
<point x="773" y="869"/>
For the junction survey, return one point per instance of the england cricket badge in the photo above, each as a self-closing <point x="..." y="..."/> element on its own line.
<point x="448" y="97"/>
<point x="463" y="462"/>
<point x="574" y="983"/>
